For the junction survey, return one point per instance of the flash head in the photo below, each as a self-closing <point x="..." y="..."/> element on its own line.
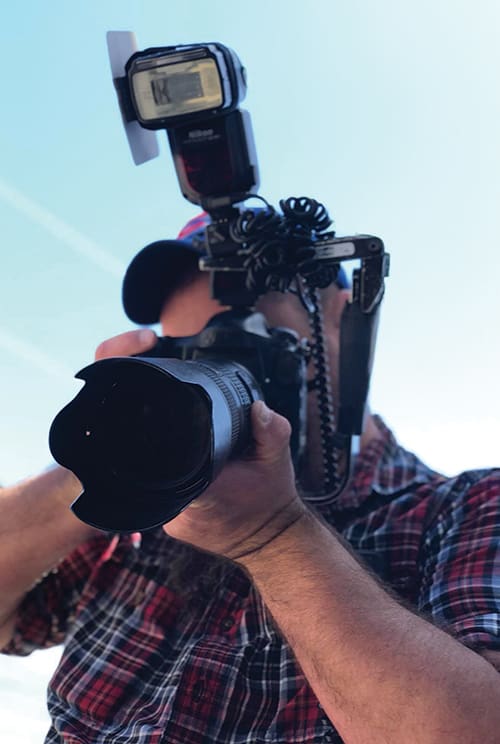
<point x="193" y="91"/>
<point x="172" y="84"/>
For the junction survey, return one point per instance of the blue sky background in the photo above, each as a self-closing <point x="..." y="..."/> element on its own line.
<point x="385" y="110"/>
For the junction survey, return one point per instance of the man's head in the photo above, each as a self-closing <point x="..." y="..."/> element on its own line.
<point x="164" y="284"/>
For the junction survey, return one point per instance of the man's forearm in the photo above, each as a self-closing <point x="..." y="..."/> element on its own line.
<point x="37" y="529"/>
<point x="381" y="673"/>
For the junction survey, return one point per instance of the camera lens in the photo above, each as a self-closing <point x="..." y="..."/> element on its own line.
<point x="151" y="427"/>
<point x="146" y="436"/>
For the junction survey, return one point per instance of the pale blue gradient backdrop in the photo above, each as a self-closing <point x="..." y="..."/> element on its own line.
<point x="386" y="110"/>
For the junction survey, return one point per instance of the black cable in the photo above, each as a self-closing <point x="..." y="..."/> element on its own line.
<point x="324" y="396"/>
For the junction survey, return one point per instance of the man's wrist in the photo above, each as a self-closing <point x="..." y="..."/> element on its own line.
<point x="270" y="538"/>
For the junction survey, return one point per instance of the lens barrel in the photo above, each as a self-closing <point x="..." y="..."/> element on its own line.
<point x="146" y="436"/>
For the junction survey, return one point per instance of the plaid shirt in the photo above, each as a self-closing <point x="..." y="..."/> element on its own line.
<point x="139" y="666"/>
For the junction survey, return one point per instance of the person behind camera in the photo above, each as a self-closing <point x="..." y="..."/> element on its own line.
<point x="254" y="615"/>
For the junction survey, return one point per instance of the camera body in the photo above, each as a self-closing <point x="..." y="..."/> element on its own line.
<point x="148" y="434"/>
<point x="275" y="357"/>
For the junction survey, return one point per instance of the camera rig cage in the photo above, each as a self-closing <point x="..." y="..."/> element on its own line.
<point x="193" y="92"/>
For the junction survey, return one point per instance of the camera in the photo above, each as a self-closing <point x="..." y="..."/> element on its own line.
<point x="147" y="434"/>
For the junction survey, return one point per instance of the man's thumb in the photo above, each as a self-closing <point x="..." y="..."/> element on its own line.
<point x="271" y="431"/>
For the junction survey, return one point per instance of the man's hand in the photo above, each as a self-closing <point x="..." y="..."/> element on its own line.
<point x="252" y="501"/>
<point x="126" y="344"/>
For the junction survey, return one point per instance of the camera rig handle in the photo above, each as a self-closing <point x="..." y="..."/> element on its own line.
<point x="247" y="257"/>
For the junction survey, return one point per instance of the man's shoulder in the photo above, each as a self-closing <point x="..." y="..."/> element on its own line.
<point x="485" y="478"/>
<point x="386" y="469"/>
<point x="471" y="488"/>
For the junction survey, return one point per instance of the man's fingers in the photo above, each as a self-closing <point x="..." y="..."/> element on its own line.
<point x="126" y="344"/>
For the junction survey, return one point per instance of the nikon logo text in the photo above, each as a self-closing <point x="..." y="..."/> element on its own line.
<point x="197" y="133"/>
